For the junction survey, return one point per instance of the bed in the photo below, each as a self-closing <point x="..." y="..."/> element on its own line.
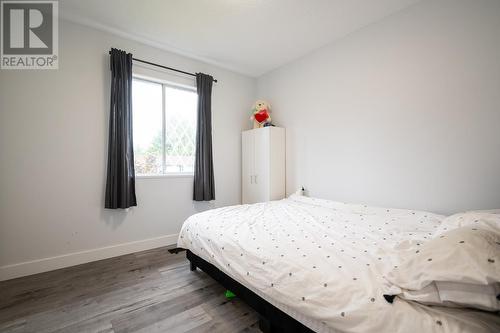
<point x="322" y="263"/>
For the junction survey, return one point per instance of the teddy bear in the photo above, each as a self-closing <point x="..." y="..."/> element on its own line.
<point x="261" y="114"/>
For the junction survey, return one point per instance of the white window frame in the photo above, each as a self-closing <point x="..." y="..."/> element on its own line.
<point x="164" y="83"/>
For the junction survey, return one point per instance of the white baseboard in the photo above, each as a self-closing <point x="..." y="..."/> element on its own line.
<point x="76" y="258"/>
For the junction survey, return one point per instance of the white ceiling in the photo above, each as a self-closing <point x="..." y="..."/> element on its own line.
<point x="247" y="36"/>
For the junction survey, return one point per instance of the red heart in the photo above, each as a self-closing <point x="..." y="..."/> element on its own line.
<point x="261" y="116"/>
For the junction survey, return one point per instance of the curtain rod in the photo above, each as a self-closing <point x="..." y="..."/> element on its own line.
<point x="165" y="67"/>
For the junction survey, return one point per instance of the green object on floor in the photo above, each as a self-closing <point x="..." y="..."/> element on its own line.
<point x="230" y="295"/>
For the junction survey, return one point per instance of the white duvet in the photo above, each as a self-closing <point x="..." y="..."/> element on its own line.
<point x="323" y="262"/>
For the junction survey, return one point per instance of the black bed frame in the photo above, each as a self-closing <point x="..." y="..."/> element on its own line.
<point x="271" y="319"/>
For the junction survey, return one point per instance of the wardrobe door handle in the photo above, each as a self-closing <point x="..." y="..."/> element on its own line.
<point x="255" y="179"/>
<point x="251" y="179"/>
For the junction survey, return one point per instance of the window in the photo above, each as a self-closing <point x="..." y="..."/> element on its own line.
<point x="164" y="120"/>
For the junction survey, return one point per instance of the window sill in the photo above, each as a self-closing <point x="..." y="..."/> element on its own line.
<point x="170" y="175"/>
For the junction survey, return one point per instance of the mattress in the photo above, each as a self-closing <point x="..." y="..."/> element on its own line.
<point x="323" y="262"/>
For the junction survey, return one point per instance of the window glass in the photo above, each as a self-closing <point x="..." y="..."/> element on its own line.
<point x="164" y="124"/>
<point x="147" y="127"/>
<point x="180" y="136"/>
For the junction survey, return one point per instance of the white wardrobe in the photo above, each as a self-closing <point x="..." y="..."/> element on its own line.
<point x="263" y="164"/>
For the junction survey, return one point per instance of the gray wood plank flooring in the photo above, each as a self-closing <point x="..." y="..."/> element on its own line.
<point x="150" y="291"/>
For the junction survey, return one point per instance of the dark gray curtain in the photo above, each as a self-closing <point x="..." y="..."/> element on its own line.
<point x="120" y="182"/>
<point x="204" y="185"/>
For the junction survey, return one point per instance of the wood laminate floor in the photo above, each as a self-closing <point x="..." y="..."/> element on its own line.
<point x="150" y="291"/>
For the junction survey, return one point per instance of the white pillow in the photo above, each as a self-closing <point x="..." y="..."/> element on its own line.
<point x="466" y="257"/>
<point x="487" y="219"/>
<point x="456" y="294"/>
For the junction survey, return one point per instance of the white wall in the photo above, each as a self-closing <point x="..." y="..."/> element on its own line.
<point x="403" y="113"/>
<point x="53" y="144"/>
